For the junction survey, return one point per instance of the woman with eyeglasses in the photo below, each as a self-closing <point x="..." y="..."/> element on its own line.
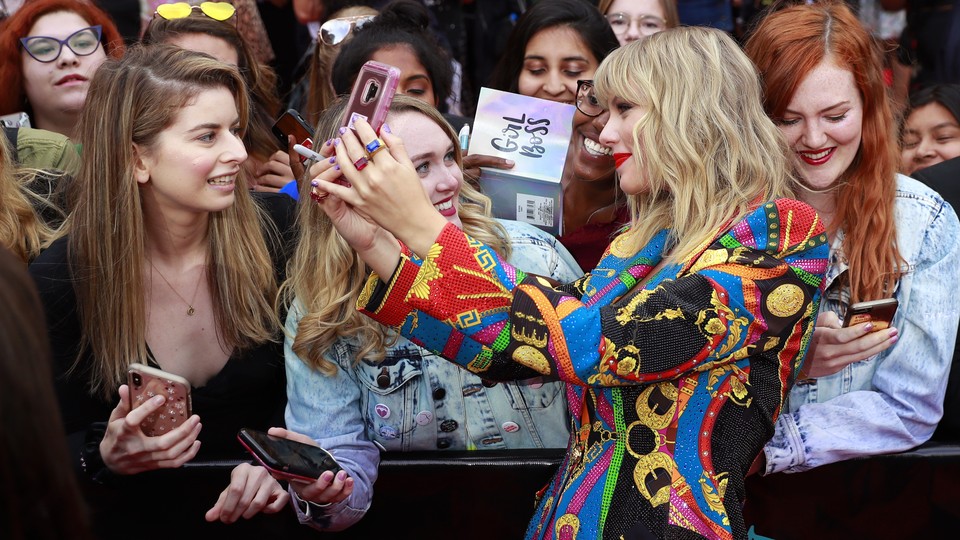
<point x="554" y="46"/>
<point x="49" y="51"/>
<point x="679" y="349"/>
<point x="212" y="28"/>
<point x="636" y="19"/>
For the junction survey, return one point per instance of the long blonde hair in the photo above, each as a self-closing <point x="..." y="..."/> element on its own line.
<point x="709" y="152"/>
<point x="326" y="275"/>
<point x="21" y="230"/>
<point x="131" y="101"/>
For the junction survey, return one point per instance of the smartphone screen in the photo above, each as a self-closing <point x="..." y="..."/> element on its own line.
<point x="286" y="458"/>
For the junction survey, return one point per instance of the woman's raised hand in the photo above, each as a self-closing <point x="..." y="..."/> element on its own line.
<point x="385" y="187"/>
<point x="126" y="450"/>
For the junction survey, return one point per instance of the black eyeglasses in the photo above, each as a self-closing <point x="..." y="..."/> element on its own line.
<point x="587" y="99"/>
<point x="46" y="49"/>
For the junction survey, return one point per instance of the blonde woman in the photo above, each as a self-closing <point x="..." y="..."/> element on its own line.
<point x="166" y="260"/>
<point x="353" y="385"/>
<point x="679" y="348"/>
<point x="21" y="229"/>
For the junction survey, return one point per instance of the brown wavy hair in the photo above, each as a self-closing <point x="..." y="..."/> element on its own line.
<point x="786" y="46"/>
<point x="12" y="97"/>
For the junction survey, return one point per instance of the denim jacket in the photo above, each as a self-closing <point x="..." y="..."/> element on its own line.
<point x="890" y="402"/>
<point x="415" y="400"/>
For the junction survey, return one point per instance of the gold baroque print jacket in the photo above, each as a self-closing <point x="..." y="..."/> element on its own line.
<point x="674" y="386"/>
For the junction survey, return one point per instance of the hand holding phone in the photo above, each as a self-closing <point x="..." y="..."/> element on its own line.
<point x="146" y="382"/>
<point x="288" y="459"/>
<point x="879" y="312"/>
<point x="372" y="94"/>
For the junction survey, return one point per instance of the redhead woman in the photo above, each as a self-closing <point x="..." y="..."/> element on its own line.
<point x="866" y="389"/>
<point x="49" y="51"/>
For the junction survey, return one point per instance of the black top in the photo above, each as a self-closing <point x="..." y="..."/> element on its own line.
<point x="250" y="390"/>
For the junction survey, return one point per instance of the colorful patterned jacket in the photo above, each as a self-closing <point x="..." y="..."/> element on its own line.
<point x="674" y="387"/>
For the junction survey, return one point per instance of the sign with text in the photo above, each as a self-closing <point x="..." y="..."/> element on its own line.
<point x="534" y="133"/>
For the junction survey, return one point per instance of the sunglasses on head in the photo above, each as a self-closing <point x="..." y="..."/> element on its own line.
<point x="335" y="31"/>
<point x="46" y="49"/>
<point x="219" y="11"/>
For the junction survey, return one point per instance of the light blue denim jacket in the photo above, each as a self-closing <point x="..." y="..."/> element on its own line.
<point x="890" y="402"/>
<point x="415" y="400"/>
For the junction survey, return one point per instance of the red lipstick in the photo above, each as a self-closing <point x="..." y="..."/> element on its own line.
<point x="620" y="157"/>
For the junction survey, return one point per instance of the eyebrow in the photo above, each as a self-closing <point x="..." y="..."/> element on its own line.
<point x="823" y="110"/>
<point x="211" y="125"/>
<point x="417" y="77"/>
<point x="430" y="153"/>
<point x="564" y="59"/>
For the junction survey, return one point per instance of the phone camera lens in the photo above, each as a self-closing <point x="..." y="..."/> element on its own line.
<point x="136" y="379"/>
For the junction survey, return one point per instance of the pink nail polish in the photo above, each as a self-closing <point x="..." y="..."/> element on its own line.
<point x="868" y="327"/>
<point x="386" y="128"/>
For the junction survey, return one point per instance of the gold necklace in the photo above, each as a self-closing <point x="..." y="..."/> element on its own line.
<point x="190" y="311"/>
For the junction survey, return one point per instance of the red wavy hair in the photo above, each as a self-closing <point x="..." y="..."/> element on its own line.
<point x="786" y="46"/>
<point x="12" y="97"/>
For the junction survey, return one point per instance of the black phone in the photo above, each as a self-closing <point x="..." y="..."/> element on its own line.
<point x="291" y="123"/>
<point x="879" y="312"/>
<point x="290" y="460"/>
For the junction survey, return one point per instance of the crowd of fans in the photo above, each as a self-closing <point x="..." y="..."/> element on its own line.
<point x="740" y="173"/>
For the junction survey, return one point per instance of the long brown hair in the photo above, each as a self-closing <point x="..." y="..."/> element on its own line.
<point x="130" y="102"/>
<point x="786" y="46"/>
<point x="326" y="275"/>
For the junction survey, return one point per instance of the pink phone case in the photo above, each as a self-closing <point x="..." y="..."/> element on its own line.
<point x="372" y="94"/>
<point x="146" y="382"/>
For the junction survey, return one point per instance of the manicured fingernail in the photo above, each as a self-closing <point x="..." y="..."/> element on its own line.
<point x="333" y="159"/>
<point x="158" y="399"/>
<point x="341" y="476"/>
<point x="328" y="143"/>
<point x="894" y="332"/>
<point x="509" y="162"/>
<point x="868" y="327"/>
<point x="386" y="128"/>
<point x="343" y="130"/>
<point x="315" y="183"/>
<point x="336" y="167"/>
<point x="336" y="142"/>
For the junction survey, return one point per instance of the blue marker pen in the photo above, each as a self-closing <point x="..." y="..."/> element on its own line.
<point x="464" y="136"/>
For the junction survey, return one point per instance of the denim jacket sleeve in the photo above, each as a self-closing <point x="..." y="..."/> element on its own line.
<point x="899" y="403"/>
<point x="327" y="409"/>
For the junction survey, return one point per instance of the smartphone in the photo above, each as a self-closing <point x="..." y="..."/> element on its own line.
<point x="288" y="459"/>
<point x="372" y="94"/>
<point x="146" y="382"/>
<point x="291" y="123"/>
<point x="879" y="312"/>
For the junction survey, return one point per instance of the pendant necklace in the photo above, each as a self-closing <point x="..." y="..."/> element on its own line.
<point x="190" y="311"/>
